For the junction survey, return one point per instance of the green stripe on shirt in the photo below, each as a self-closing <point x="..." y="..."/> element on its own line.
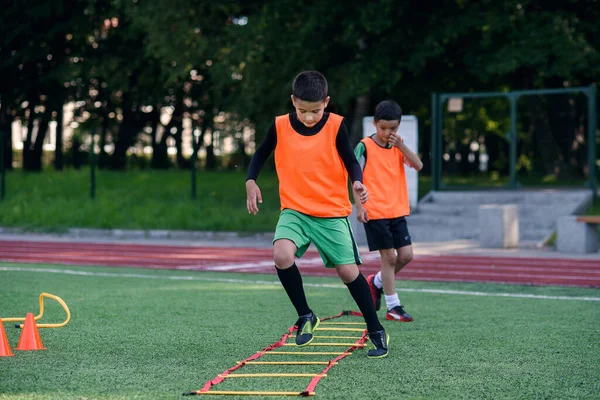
<point x="359" y="152"/>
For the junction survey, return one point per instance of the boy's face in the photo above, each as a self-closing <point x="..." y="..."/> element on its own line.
<point x="310" y="112"/>
<point x="386" y="128"/>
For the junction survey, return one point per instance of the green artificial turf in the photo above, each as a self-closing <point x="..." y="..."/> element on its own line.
<point x="155" y="334"/>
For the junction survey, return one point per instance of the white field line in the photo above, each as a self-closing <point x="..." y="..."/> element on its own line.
<point x="262" y="282"/>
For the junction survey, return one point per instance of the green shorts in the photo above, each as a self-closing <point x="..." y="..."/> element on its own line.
<point x="332" y="237"/>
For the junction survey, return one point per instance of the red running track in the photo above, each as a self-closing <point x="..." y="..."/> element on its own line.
<point x="444" y="268"/>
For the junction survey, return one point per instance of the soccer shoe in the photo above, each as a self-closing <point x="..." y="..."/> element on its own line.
<point x="375" y="292"/>
<point x="380" y="340"/>
<point x="398" y="314"/>
<point x="306" y="326"/>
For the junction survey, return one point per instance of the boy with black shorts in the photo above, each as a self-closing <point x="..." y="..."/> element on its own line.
<point x="383" y="156"/>
<point x="313" y="158"/>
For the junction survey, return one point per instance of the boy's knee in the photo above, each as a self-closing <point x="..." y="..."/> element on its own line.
<point x="284" y="253"/>
<point x="283" y="259"/>
<point x="348" y="272"/>
<point x="403" y="259"/>
<point x="388" y="258"/>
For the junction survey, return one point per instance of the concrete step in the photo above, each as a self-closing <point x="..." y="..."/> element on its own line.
<point x="437" y="234"/>
<point x="525" y="210"/>
<point x="470" y="222"/>
<point x="447" y="216"/>
<point x="422" y="234"/>
<point x="509" y="197"/>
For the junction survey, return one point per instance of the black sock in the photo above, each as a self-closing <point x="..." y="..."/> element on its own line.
<point x="292" y="283"/>
<point x="359" y="289"/>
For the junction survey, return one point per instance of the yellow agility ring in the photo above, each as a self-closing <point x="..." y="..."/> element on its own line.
<point x="42" y="296"/>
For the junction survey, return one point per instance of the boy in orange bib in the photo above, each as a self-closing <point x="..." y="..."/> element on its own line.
<point x="383" y="156"/>
<point x="313" y="158"/>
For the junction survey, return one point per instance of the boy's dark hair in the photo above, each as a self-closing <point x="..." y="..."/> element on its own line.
<point x="388" y="111"/>
<point x="310" y="86"/>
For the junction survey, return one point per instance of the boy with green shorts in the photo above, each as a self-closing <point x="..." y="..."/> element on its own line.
<point x="313" y="158"/>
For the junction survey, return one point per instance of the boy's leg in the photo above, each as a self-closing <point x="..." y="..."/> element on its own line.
<point x="402" y="243"/>
<point x="284" y="251"/>
<point x="334" y="239"/>
<point x="379" y="237"/>
<point x="404" y="251"/>
<point x="291" y="241"/>
<point x="386" y="278"/>
<point x="405" y="256"/>
<point x="359" y="290"/>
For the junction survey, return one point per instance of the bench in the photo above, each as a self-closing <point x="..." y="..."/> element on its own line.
<point x="589" y="219"/>
<point x="577" y="234"/>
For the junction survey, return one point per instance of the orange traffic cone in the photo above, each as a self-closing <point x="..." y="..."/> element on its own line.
<point x="30" y="337"/>
<point x="4" y="346"/>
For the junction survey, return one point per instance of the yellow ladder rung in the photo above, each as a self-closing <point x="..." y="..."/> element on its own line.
<point x="249" y="393"/>
<point x="337" y="337"/>
<point x="274" y="375"/>
<point x="343" y="323"/>
<point x="340" y="329"/>
<point x="287" y="362"/>
<point x="326" y="344"/>
<point x="307" y="353"/>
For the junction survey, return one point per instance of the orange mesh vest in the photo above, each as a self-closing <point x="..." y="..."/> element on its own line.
<point x="312" y="177"/>
<point x="385" y="179"/>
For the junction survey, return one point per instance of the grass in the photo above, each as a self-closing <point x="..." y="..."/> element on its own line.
<point x="52" y="201"/>
<point x="595" y="208"/>
<point x="157" y="338"/>
<point x="136" y="200"/>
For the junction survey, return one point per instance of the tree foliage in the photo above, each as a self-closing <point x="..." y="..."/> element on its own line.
<point x="126" y="62"/>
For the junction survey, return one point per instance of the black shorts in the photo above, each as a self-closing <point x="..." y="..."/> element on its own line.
<point x="389" y="233"/>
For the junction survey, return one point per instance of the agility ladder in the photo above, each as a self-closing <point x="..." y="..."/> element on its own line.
<point x="271" y="350"/>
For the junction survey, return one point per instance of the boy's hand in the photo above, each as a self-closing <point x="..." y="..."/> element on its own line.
<point x="395" y="140"/>
<point x="252" y="196"/>
<point x="362" y="215"/>
<point x="361" y="191"/>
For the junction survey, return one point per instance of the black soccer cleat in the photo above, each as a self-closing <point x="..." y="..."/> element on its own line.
<point x="380" y="340"/>
<point x="306" y="326"/>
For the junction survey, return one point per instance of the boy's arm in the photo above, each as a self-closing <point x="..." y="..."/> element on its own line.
<point x="413" y="159"/>
<point x="261" y="155"/>
<point x="253" y="195"/>
<point x="344" y="148"/>
<point x="360" y="152"/>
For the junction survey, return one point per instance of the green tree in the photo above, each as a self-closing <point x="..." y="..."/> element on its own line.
<point x="35" y="50"/>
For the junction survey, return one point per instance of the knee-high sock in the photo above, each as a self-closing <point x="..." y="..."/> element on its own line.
<point x="359" y="289"/>
<point x="292" y="283"/>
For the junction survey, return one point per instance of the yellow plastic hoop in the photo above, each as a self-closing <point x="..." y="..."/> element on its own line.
<point x="42" y="296"/>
